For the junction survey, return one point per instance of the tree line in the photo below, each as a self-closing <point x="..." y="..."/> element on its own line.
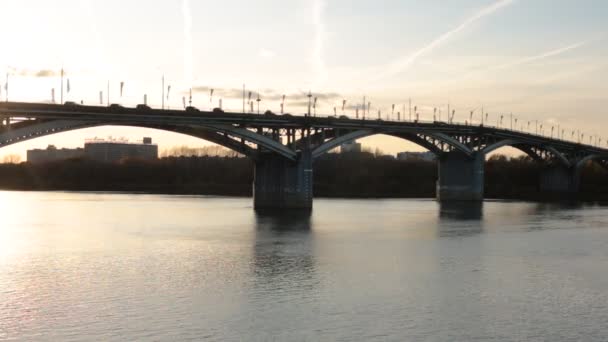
<point x="335" y="175"/>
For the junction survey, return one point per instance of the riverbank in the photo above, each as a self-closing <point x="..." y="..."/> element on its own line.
<point x="336" y="176"/>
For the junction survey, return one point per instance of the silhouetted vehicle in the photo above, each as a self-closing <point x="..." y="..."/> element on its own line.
<point x="287" y="116"/>
<point x="143" y="107"/>
<point x="71" y="104"/>
<point x="218" y="110"/>
<point x="344" y="117"/>
<point x="269" y="113"/>
<point x="115" y="107"/>
<point x="192" y="109"/>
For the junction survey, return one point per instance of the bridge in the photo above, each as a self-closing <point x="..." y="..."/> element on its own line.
<point x="283" y="147"/>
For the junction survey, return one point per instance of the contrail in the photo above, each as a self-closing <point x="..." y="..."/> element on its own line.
<point x="404" y="64"/>
<point x="541" y="56"/>
<point x="522" y="61"/>
<point x="188" y="51"/>
<point x="317" y="54"/>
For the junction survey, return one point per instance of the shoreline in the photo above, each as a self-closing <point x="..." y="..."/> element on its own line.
<point x="540" y="199"/>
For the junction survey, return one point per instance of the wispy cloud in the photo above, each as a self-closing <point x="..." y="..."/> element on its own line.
<point x="188" y="50"/>
<point x="265" y="94"/>
<point x="42" y="73"/>
<point x="404" y="63"/>
<point x="317" y="51"/>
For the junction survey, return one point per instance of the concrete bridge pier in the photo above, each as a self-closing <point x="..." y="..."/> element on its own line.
<point x="461" y="177"/>
<point x="559" y="181"/>
<point x="280" y="183"/>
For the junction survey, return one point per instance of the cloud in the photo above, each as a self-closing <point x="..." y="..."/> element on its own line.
<point x="404" y="63"/>
<point x="265" y="94"/>
<point x="42" y="73"/>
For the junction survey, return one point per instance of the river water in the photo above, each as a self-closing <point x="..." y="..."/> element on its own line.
<point x="117" y="267"/>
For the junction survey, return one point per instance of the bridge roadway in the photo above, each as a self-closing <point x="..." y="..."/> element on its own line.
<point x="284" y="147"/>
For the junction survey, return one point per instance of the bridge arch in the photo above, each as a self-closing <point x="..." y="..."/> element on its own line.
<point x="412" y="137"/>
<point x="527" y="149"/>
<point x="593" y="157"/>
<point x="221" y="135"/>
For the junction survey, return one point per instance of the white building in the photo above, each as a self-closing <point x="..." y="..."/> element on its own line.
<point x="111" y="151"/>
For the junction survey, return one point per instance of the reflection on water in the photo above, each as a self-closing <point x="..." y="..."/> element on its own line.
<point x="194" y="268"/>
<point x="284" y="221"/>
<point x="283" y="247"/>
<point x="461" y="210"/>
<point x="459" y="219"/>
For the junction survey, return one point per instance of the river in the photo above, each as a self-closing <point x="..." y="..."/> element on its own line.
<point x="124" y="267"/>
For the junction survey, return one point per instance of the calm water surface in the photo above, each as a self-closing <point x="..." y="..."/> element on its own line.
<point x="112" y="267"/>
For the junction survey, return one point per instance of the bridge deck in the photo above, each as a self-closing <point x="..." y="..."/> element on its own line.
<point x="124" y="115"/>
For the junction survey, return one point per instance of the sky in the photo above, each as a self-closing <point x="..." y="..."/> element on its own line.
<point x="543" y="60"/>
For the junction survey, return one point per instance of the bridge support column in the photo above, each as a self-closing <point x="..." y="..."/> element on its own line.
<point x="461" y="177"/>
<point x="559" y="181"/>
<point x="283" y="184"/>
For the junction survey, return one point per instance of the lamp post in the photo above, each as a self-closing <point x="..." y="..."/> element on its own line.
<point x="283" y="104"/>
<point x="309" y="101"/>
<point x="258" y="101"/>
<point x="410" y="102"/>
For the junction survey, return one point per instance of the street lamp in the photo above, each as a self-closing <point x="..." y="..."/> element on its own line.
<point x="283" y="105"/>
<point x="258" y="100"/>
<point x="309" y="101"/>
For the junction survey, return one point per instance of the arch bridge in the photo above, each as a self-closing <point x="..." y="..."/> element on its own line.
<point x="284" y="147"/>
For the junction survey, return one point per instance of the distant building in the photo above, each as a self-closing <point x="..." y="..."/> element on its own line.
<point x="52" y="153"/>
<point x="351" y="147"/>
<point x="105" y="151"/>
<point x="111" y="151"/>
<point x="420" y="156"/>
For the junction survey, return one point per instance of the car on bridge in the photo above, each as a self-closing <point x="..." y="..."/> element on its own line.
<point x="143" y="107"/>
<point x="192" y="109"/>
<point x="344" y="117"/>
<point x="269" y="113"/>
<point x="218" y="111"/>
<point x="115" y="107"/>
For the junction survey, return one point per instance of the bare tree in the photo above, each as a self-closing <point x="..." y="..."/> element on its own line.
<point x="11" y="159"/>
